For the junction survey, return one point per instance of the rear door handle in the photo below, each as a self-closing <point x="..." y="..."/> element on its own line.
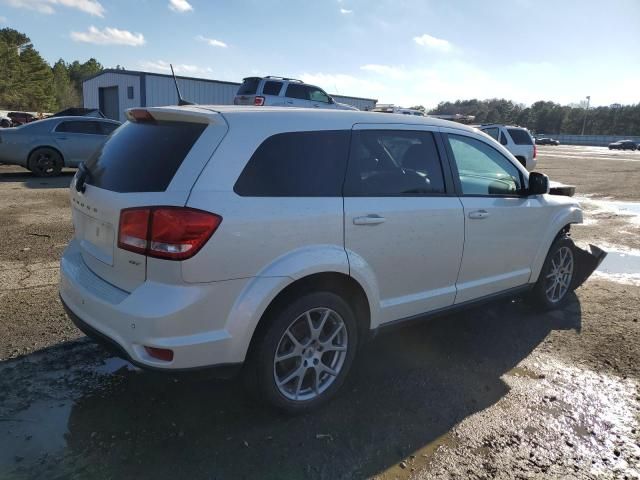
<point x="478" y="214"/>
<point x="369" y="220"/>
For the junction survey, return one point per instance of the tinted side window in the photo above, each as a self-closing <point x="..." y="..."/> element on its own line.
<point x="89" y="128"/>
<point x="249" y="86"/>
<point x="142" y="157"/>
<point x="271" y="88"/>
<point x="393" y="162"/>
<point x="106" y="128"/>
<point x="482" y="169"/>
<point x="297" y="164"/>
<point x="295" y="90"/>
<point x="520" y="137"/>
<point x="317" y="95"/>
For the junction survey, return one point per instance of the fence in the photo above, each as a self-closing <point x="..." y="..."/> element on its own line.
<point x="592" y="140"/>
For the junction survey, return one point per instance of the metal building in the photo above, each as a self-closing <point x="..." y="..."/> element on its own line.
<point x="114" y="91"/>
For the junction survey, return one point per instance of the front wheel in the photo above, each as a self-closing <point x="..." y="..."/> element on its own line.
<point x="45" y="162"/>
<point x="303" y="355"/>
<point x="556" y="278"/>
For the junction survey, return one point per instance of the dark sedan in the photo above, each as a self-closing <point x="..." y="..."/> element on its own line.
<point x="623" y="145"/>
<point x="547" y="141"/>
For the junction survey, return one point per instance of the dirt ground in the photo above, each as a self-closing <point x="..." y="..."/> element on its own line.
<point x="501" y="391"/>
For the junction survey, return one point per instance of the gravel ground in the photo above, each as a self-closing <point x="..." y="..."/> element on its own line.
<point x="501" y="391"/>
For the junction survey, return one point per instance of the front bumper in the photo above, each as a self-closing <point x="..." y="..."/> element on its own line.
<point x="191" y="320"/>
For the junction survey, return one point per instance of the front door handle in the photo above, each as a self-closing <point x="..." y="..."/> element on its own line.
<point x="369" y="220"/>
<point x="478" y="214"/>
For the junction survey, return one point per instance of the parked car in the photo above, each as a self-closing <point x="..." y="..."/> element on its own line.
<point x="517" y="140"/>
<point x="182" y="261"/>
<point x="389" y="108"/>
<point x="284" y="92"/>
<point x="48" y="145"/>
<point x="547" y="141"/>
<point x="20" y="118"/>
<point x="623" y="145"/>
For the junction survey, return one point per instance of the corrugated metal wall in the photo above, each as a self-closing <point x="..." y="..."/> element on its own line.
<point x="91" y="96"/>
<point x="361" y="103"/>
<point x="162" y="91"/>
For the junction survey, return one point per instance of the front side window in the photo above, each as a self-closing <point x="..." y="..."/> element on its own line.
<point x="297" y="164"/>
<point x="482" y="169"/>
<point x="317" y="95"/>
<point x="298" y="91"/>
<point x="393" y="162"/>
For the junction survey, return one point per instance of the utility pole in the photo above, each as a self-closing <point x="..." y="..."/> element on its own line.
<point x="584" y="122"/>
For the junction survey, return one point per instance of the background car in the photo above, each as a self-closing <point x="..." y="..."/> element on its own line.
<point x="45" y="146"/>
<point x="547" y="141"/>
<point x="517" y="140"/>
<point x="389" y="108"/>
<point x="20" y="118"/>
<point x="284" y="92"/>
<point x="623" y="145"/>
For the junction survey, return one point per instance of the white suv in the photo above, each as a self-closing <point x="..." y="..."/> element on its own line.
<point x="282" y="238"/>
<point x="284" y="92"/>
<point x="517" y="140"/>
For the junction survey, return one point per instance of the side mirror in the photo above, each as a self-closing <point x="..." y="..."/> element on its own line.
<point x="331" y="101"/>
<point x="538" y="184"/>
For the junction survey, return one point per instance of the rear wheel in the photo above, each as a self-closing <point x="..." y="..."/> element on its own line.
<point x="45" y="162"/>
<point x="302" y="357"/>
<point x="556" y="279"/>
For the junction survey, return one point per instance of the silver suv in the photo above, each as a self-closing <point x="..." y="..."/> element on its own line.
<point x="284" y="92"/>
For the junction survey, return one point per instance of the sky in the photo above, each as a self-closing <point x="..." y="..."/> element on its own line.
<point x="406" y="52"/>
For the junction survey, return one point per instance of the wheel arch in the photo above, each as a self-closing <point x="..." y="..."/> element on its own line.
<point x="56" y="149"/>
<point x="336" y="282"/>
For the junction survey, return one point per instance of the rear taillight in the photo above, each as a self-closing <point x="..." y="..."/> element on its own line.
<point x="535" y="150"/>
<point x="258" y="101"/>
<point x="172" y="233"/>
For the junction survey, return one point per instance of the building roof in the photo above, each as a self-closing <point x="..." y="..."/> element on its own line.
<point x="139" y="73"/>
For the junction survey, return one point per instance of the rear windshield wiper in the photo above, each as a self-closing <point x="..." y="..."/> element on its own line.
<point x="82" y="176"/>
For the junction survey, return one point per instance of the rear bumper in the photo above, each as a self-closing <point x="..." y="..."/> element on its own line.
<point x="191" y="320"/>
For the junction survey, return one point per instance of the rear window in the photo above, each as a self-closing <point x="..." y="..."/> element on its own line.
<point x="272" y="88"/>
<point x="520" y="137"/>
<point x="297" y="164"/>
<point x="249" y="86"/>
<point x="142" y="157"/>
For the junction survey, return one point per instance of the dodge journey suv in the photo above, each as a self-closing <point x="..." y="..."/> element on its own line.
<point x="278" y="240"/>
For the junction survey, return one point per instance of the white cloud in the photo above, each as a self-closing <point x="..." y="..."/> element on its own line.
<point x="109" y="36"/>
<point x="433" y="43"/>
<point x="180" y="6"/>
<point x="163" y="67"/>
<point x="212" y="41"/>
<point x="345" y="11"/>
<point x="92" y="7"/>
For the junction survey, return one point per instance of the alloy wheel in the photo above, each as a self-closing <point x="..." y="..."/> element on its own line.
<point x="558" y="280"/>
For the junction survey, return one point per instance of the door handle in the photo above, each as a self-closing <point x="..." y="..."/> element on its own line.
<point x="369" y="220"/>
<point x="478" y="214"/>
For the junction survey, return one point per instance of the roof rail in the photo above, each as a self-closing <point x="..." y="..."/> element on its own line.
<point x="284" y="78"/>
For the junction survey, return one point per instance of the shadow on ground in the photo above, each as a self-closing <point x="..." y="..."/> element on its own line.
<point x="27" y="179"/>
<point x="408" y="389"/>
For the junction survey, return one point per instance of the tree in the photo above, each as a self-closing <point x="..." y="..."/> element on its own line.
<point x="65" y="92"/>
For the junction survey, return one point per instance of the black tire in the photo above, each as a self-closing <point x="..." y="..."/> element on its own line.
<point x="260" y="371"/>
<point x="45" y="162"/>
<point x="522" y="161"/>
<point x="540" y="296"/>
<point x="5" y="123"/>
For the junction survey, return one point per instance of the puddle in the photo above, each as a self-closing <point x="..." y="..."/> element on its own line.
<point x="621" y="267"/>
<point x="606" y="205"/>
<point x="33" y="434"/>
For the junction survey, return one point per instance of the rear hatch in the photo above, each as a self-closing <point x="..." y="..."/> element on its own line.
<point x="153" y="159"/>
<point x="247" y="92"/>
